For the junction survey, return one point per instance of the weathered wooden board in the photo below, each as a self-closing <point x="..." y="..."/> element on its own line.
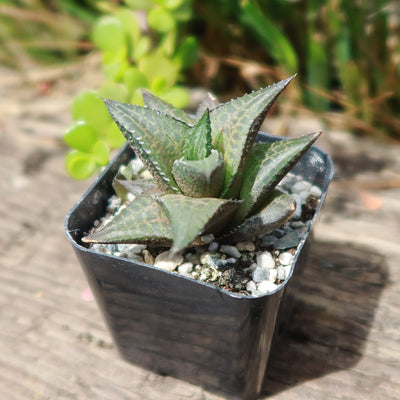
<point x="343" y="341"/>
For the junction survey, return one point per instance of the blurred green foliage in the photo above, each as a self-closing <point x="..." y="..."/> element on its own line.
<point x="347" y="53"/>
<point x="45" y="30"/>
<point x="142" y="48"/>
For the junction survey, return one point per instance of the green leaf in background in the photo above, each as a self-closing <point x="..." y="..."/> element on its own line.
<point x="134" y="79"/>
<point x="114" y="91"/>
<point x="139" y="4"/>
<point x="141" y="48"/>
<point x="130" y="23"/>
<point x="80" y="136"/>
<point x="169" y="4"/>
<point x="80" y="165"/>
<point x="101" y="152"/>
<point x="190" y="217"/>
<point x="269" y="34"/>
<point x="114" y="136"/>
<point x="198" y="142"/>
<point x="177" y="96"/>
<point x="318" y="76"/>
<point x="88" y="107"/>
<point x="109" y="34"/>
<point x="156" y="66"/>
<point x="142" y="221"/>
<point x="188" y="52"/>
<point x="161" y="20"/>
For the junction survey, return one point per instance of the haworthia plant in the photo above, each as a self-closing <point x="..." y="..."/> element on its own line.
<point x="209" y="176"/>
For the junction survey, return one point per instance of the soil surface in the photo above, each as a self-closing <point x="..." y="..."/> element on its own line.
<point x="343" y="341"/>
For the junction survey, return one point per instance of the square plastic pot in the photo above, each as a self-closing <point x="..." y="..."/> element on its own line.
<point x="175" y="325"/>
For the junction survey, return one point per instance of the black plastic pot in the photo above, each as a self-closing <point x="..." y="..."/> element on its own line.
<point x="175" y="325"/>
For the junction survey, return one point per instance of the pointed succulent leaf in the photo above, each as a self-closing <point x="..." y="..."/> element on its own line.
<point x="156" y="138"/>
<point x="198" y="142"/>
<point x="136" y="187"/>
<point x="268" y="163"/>
<point x="276" y="212"/>
<point x="192" y="217"/>
<point x="200" y="178"/>
<point x="239" y="121"/>
<point x="155" y="103"/>
<point x="209" y="102"/>
<point x="142" y="221"/>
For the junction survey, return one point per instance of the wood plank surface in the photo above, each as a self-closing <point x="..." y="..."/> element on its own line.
<point x="343" y="341"/>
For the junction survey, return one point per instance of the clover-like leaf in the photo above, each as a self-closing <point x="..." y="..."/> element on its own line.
<point x="157" y="139"/>
<point x="198" y="142"/>
<point x="235" y="125"/>
<point x="142" y="221"/>
<point x="155" y="103"/>
<point x="279" y="208"/>
<point x="268" y="163"/>
<point x="200" y="178"/>
<point x="192" y="217"/>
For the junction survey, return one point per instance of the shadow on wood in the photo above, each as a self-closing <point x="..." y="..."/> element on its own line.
<point x="334" y="304"/>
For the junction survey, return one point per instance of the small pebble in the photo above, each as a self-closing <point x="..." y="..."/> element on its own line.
<point x="213" y="246"/>
<point x="165" y="261"/>
<point x="273" y="273"/>
<point x="286" y="258"/>
<point x="265" y="260"/>
<point x="281" y="273"/>
<point x="315" y="191"/>
<point x="297" y="212"/>
<point x="291" y="239"/>
<point x="251" y="286"/>
<point x="301" y="186"/>
<point x="269" y="241"/>
<point x="206" y="239"/>
<point x="208" y="259"/>
<point x="131" y="248"/>
<point x="266" y="286"/>
<point x="260" y="274"/>
<point x="230" y="250"/>
<point x="298" y="224"/>
<point x="192" y="258"/>
<point x="148" y="258"/>
<point x="246" y="246"/>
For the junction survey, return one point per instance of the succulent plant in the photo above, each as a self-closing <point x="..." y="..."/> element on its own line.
<point x="209" y="176"/>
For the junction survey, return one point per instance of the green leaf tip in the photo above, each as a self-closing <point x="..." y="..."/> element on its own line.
<point x="198" y="142"/>
<point x="141" y="221"/>
<point x="235" y="125"/>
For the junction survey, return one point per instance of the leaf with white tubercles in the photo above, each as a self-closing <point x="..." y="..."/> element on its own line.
<point x="191" y="217"/>
<point x="268" y="163"/>
<point x="142" y="221"/>
<point x="235" y="124"/>
<point x="157" y="139"/>
<point x="277" y="211"/>
<point x="198" y="142"/>
<point x="200" y="178"/>
<point x="155" y="103"/>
